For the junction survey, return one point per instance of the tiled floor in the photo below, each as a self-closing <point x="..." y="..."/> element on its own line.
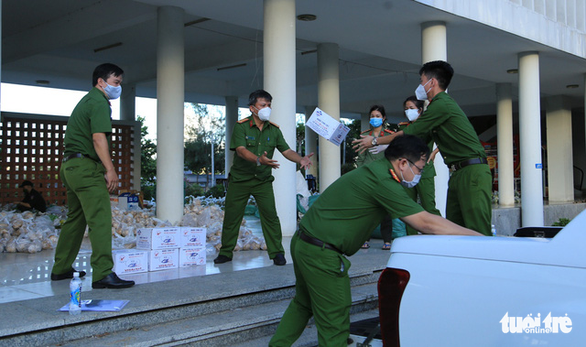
<point x="27" y="276"/>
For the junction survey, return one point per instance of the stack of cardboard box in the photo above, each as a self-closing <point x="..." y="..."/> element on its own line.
<point x="193" y="246"/>
<point x="161" y="249"/>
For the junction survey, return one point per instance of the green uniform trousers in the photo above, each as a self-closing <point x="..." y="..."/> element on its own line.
<point x="469" y="198"/>
<point x="322" y="290"/>
<point x="89" y="204"/>
<point x="424" y="191"/>
<point x="236" y="199"/>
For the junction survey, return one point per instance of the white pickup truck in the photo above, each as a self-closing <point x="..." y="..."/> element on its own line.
<point x="486" y="291"/>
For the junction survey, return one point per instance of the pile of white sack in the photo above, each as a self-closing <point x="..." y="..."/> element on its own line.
<point x="26" y="232"/>
<point x="197" y="214"/>
<point x="29" y="232"/>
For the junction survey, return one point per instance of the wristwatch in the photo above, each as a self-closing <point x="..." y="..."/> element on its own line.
<point x="374" y="141"/>
<point x="257" y="161"/>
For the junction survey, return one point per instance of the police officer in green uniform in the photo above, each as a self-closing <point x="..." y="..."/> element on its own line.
<point x="424" y="191"/>
<point x="254" y="139"/>
<point x="88" y="175"/>
<point x="336" y="226"/>
<point x="378" y="117"/>
<point x="469" y="193"/>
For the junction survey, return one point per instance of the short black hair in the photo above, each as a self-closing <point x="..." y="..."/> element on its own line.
<point x="104" y="72"/>
<point x="379" y="108"/>
<point x="258" y="94"/>
<point x="440" y="70"/>
<point x="407" y="146"/>
<point x="418" y="103"/>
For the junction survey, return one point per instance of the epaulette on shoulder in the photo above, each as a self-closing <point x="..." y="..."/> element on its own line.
<point x="243" y="120"/>
<point x="389" y="131"/>
<point x="404" y="123"/>
<point x="365" y="131"/>
<point x="275" y="124"/>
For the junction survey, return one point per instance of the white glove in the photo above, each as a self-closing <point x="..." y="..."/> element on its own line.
<point x="378" y="149"/>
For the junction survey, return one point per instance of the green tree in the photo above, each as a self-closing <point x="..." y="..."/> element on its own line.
<point x="207" y="129"/>
<point x="300" y="137"/>
<point x="148" y="162"/>
<point x="349" y="153"/>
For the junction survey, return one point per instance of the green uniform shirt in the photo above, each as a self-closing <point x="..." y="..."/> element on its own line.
<point x="450" y="130"/>
<point x="366" y="157"/>
<point x="429" y="168"/>
<point x="247" y="134"/>
<point x="91" y="115"/>
<point x="349" y="210"/>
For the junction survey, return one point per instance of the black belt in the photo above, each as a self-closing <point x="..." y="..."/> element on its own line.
<point x="317" y="242"/>
<point x="464" y="163"/>
<point x="74" y="155"/>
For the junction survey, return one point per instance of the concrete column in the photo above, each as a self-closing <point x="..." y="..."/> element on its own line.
<point x="128" y="102"/>
<point x="560" y="165"/>
<point x="311" y="139"/>
<point x="170" y="100"/>
<point x="530" y="140"/>
<point x="231" y="119"/>
<point x="506" y="166"/>
<point x="280" y="81"/>
<point x="434" y="43"/>
<point x="328" y="91"/>
<point x="434" y="46"/>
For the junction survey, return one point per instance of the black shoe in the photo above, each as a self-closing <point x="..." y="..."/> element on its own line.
<point x="279" y="260"/>
<point x="112" y="281"/>
<point x="66" y="275"/>
<point x="221" y="259"/>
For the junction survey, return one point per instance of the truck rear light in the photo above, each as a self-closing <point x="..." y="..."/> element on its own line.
<point x="391" y="286"/>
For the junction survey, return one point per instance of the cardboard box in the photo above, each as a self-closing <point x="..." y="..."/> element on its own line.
<point x="157" y="238"/>
<point x="193" y="237"/>
<point x="328" y="127"/>
<point x="190" y="256"/>
<point x="113" y="200"/>
<point x="128" y="201"/>
<point x="129" y="261"/>
<point x="163" y="259"/>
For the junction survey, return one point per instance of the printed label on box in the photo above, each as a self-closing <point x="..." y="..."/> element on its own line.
<point x="192" y="256"/>
<point x="326" y="126"/>
<point x="127" y="201"/>
<point x="193" y="237"/>
<point x="157" y="238"/>
<point x="161" y="259"/>
<point x="130" y="261"/>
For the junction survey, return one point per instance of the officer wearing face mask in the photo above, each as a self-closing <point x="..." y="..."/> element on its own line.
<point x="377" y="120"/>
<point x="89" y="176"/>
<point x="254" y="139"/>
<point x="377" y="130"/>
<point x="336" y="226"/>
<point x="469" y="201"/>
<point x="424" y="192"/>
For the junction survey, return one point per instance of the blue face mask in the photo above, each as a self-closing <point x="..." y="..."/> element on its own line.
<point x="113" y="92"/>
<point x="376" y="122"/>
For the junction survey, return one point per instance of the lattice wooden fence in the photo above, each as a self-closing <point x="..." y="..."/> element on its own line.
<point x="32" y="149"/>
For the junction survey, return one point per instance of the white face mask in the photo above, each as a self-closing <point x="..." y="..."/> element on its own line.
<point x="413" y="182"/>
<point x="420" y="92"/>
<point x="113" y="92"/>
<point x="264" y="113"/>
<point x="412" y="114"/>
